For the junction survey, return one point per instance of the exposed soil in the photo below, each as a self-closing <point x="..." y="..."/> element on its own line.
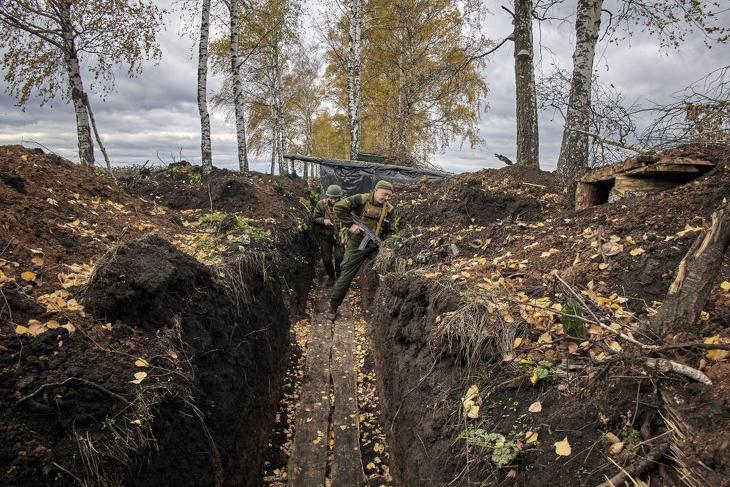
<point x="491" y="265"/>
<point x="99" y="285"/>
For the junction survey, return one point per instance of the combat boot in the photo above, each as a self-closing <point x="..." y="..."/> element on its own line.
<point x="332" y="314"/>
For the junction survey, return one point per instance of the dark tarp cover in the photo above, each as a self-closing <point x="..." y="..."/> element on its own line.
<point x="360" y="177"/>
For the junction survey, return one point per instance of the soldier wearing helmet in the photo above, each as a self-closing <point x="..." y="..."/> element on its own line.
<point x="326" y="226"/>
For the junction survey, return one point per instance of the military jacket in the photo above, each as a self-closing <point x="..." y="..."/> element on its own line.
<point x="364" y="208"/>
<point x="322" y="211"/>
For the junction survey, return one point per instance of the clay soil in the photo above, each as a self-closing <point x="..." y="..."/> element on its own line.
<point x="143" y="337"/>
<point x="485" y="246"/>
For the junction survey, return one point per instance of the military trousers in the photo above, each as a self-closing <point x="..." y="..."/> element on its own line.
<point x="332" y="254"/>
<point x="354" y="259"/>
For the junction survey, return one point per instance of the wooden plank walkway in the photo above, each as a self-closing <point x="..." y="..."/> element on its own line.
<point x="330" y="367"/>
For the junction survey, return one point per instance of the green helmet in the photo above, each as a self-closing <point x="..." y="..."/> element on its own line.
<point x="334" y="191"/>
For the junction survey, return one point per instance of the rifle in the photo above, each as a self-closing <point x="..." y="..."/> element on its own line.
<point x="369" y="235"/>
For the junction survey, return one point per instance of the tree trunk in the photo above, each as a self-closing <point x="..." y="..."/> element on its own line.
<point x="695" y="277"/>
<point x="238" y="90"/>
<point x="528" y="147"/>
<point x="279" y="110"/>
<point x="574" y="147"/>
<point x="354" y="64"/>
<point x="205" y="146"/>
<point x="273" y="155"/>
<point x="98" y="137"/>
<point x="76" y="88"/>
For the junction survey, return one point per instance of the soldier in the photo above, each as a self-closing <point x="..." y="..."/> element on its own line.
<point x="329" y="239"/>
<point x="373" y="210"/>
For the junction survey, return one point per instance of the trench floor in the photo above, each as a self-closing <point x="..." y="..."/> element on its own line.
<point x="328" y="430"/>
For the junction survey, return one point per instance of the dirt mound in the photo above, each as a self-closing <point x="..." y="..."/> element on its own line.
<point x="182" y="186"/>
<point x="235" y="345"/>
<point x="159" y="369"/>
<point x="480" y="198"/>
<point x="477" y="304"/>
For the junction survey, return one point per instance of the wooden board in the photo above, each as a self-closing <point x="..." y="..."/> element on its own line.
<point x="308" y="462"/>
<point x="607" y="173"/>
<point x="663" y="169"/>
<point x="347" y="469"/>
<point x="645" y="185"/>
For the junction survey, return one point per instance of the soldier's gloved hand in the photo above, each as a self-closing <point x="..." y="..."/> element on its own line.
<point x="354" y="229"/>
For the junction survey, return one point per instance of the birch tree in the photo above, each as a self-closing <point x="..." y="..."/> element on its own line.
<point x="421" y="86"/>
<point x="205" y="145"/>
<point x="528" y="144"/>
<point x="49" y="45"/>
<point x="574" y="146"/>
<point x="237" y="84"/>
<point x="354" y="66"/>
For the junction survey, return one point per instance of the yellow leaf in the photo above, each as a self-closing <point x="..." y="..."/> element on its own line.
<point x="28" y="276"/>
<point x="35" y="327"/>
<point x="53" y="324"/>
<point x="535" y="407"/>
<point x="531" y="437"/>
<point x="140" y="362"/>
<point x="614" y="345"/>
<point x="562" y="448"/>
<point x="534" y="378"/>
<point x="603" y="266"/>
<point x="611" y="438"/>
<point x="472" y="412"/>
<point x="725" y="285"/>
<point x="37" y="261"/>
<point x="572" y="347"/>
<point x="714" y="355"/>
<point x="636" y="251"/>
<point x="70" y="327"/>
<point x="545" y="338"/>
<point x="616" y="448"/>
<point x="139" y="377"/>
<point x="517" y="342"/>
<point x="22" y="330"/>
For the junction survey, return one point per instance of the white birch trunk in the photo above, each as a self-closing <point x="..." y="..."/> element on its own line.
<point x="528" y="147"/>
<point x="238" y="90"/>
<point x="574" y="147"/>
<point x="354" y="64"/>
<point x="279" y="111"/>
<point x="205" y="146"/>
<point x="76" y="88"/>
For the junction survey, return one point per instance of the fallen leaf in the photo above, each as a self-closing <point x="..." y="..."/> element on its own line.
<point x="531" y="437"/>
<point x="535" y="407"/>
<point x="140" y="362"/>
<point x="545" y="338"/>
<point x="517" y="342"/>
<point x="725" y="285"/>
<point x="636" y="251"/>
<point x="22" y="330"/>
<point x="603" y="266"/>
<point x="611" y="438"/>
<point x="53" y="324"/>
<point x="28" y="276"/>
<point x="37" y="261"/>
<point x="562" y="448"/>
<point x="139" y="377"/>
<point x="714" y="355"/>
<point x="616" y="448"/>
<point x="70" y="327"/>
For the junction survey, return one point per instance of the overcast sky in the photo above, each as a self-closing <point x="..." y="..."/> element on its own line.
<point x="156" y="114"/>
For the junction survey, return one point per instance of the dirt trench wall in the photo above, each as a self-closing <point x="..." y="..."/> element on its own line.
<point x="233" y="334"/>
<point x="418" y="411"/>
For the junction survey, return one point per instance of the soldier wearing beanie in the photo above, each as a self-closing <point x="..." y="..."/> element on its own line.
<point x="378" y="215"/>
<point x="329" y="239"/>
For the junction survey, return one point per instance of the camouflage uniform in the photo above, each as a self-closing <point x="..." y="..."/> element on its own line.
<point x="368" y="212"/>
<point x="329" y="241"/>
